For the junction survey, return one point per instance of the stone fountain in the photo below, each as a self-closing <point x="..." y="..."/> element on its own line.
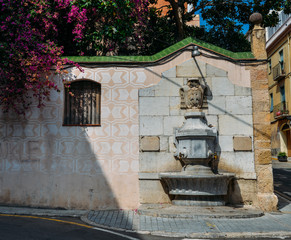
<point x="196" y="184"/>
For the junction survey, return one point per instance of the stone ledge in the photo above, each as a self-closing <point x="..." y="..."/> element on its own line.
<point x="148" y="176"/>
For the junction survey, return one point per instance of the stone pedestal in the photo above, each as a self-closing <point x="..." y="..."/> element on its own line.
<point x="196" y="184"/>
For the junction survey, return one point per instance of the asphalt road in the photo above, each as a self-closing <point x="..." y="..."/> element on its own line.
<point x="282" y="177"/>
<point x="41" y="228"/>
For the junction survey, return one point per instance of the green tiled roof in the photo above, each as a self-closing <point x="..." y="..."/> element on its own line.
<point x="162" y="54"/>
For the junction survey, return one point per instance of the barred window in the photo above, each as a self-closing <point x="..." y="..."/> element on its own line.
<point x="83" y="108"/>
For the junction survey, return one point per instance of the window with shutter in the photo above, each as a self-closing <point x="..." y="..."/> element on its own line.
<point x="83" y="108"/>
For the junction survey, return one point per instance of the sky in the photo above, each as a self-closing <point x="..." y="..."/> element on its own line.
<point x="245" y="27"/>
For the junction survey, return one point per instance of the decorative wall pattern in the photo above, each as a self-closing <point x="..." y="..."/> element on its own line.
<point x="43" y="163"/>
<point x="38" y="143"/>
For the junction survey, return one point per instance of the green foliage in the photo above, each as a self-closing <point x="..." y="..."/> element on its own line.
<point x="224" y="18"/>
<point x="282" y="154"/>
<point x="111" y="27"/>
<point x="221" y="12"/>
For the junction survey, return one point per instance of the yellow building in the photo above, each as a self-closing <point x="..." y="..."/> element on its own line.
<point x="278" y="48"/>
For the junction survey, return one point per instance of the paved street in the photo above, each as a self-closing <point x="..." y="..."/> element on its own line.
<point x="43" y="228"/>
<point x="219" y="223"/>
<point x="282" y="177"/>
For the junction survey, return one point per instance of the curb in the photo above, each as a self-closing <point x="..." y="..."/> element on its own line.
<point x="42" y="212"/>
<point x="85" y="219"/>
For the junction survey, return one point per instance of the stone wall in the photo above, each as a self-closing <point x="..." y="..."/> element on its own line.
<point x="228" y="108"/>
<point x="43" y="163"/>
<point x="116" y="164"/>
<point x="266" y="199"/>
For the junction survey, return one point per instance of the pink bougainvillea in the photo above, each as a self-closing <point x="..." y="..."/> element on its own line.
<point x="28" y="53"/>
<point x="35" y="33"/>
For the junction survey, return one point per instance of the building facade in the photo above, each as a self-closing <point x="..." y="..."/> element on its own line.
<point x="163" y="6"/>
<point x="105" y="147"/>
<point x="278" y="46"/>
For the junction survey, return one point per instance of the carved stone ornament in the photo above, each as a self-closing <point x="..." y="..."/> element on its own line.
<point x="192" y="94"/>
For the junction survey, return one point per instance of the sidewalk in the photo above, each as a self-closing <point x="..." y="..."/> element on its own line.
<point x="208" y="222"/>
<point x="203" y="222"/>
<point x="223" y="223"/>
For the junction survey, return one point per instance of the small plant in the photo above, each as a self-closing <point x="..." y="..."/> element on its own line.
<point x="285" y="112"/>
<point x="282" y="154"/>
<point x="282" y="157"/>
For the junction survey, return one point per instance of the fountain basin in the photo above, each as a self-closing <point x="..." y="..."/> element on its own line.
<point x="197" y="190"/>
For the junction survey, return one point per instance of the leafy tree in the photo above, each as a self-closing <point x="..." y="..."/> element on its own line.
<point x="28" y="51"/>
<point x="113" y="26"/>
<point x="225" y="18"/>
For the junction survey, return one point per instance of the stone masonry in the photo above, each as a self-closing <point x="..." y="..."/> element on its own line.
<point x="266" y="199"/>
<point x="228" y="108"/>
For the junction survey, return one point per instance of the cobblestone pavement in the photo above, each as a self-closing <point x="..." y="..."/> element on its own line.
<point x="200" y="224"/>
<point x="269" y="225"/>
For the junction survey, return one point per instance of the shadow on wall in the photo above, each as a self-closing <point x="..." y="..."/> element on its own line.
<point x="44" y="164"/>
<point x="243" y="188"/>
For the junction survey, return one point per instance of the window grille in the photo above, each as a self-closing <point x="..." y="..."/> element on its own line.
<point x="83" y="108"/>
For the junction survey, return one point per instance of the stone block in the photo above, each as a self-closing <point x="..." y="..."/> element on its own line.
<point x="260" y="85"/>
<point x="265" y="178"/>
<point x="150" y="144"/>
<point x="146" y="92"/>
<point x="170" y="73"/>
<point x="221" y="86"/>
<point x="261" y="106"/>
<point x="169" y="87"/>
<point x="164" y="143"/>
<point x="242" y="143"/>
<point x="148" y="176"/>
<point x="191" y="69"/>
<point x="213" y="120"/>
<point x="238" y="104"/>
<point x="167" y="163"/>
<point x="260" y="117"/>
<point x="235" y="125"/>
<point x="267" y="202"/>
<point x="154" y="106"/>
<point x="152" y="191"/>
<point x="225" y="143"/>
<point x="214" y="71"/>
<point x="262" y="144"/>
<point x="158" y="162"/>
<point x="262" y="131"/>
<point x="207" y="81"/>
<point x="151" y="125"/>
<point x="148" y="162"/>
<point x="259" y="75"/>
<point x="242" y="91"/>
<point x="243" y="191"/>
<point x="240" y="163"/>
<point x="263" y="156"/>
<point x="172" y="122"/>
<point x="216" y="105"/>
<point x="260" y="95"/>
<point x="175" y="103"/>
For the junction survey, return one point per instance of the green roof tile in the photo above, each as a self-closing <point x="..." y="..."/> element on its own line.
<point x="158" y="56"/>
